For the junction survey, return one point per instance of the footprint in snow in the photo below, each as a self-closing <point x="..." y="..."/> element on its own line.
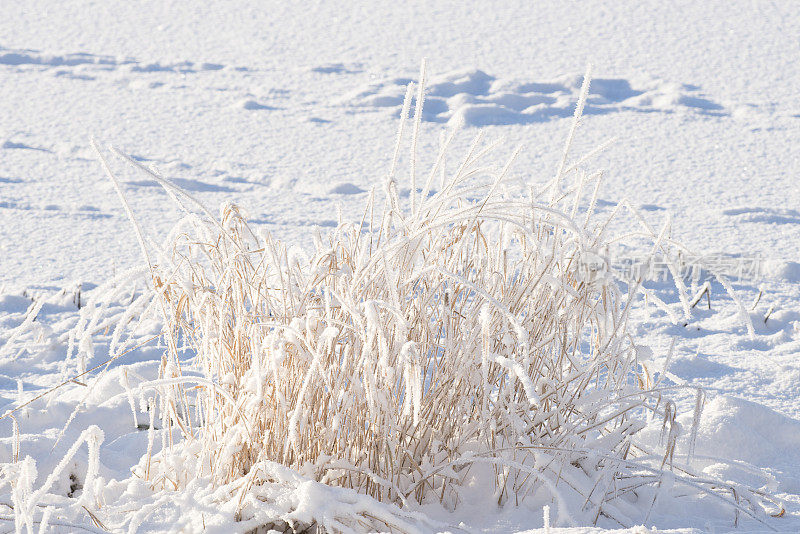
<point x="73" y="65"/>
<point x="186" y="184"/>
<point x="253" y="105"/>
<point x="764" y="215"/>
<point x="480" y="99"/>
<point x="345" y="189"/>
<point x="337" y="68"/>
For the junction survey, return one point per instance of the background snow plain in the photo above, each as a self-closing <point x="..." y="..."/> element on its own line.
<point x="290" y="110"/>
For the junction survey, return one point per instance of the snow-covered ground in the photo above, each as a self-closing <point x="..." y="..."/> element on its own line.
<point x="290" y="109"/>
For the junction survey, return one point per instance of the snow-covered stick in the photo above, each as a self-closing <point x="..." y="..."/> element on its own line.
<point x="415" y="135"/>
<point x="391" y="184"/>
<point x="576" y="120"/>
<point x="743" y="313"/>
<point x="699" y="400"/>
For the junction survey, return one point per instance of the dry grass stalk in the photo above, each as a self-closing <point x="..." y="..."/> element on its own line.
<point x="410" y="347"/>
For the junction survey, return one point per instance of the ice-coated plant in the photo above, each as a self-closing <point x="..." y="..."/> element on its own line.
<point x="447" y="339"/>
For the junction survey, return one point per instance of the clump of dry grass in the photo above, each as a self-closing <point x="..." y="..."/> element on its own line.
<point x="409" y="348"/>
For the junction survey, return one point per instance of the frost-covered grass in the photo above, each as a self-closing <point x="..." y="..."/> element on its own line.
<point x="449" y="340"/>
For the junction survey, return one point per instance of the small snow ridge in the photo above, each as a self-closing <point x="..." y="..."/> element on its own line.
<point x="480" y="99"/>
<point x="345" y="189"/>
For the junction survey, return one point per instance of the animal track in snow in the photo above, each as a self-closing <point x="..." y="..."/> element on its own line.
<point x="64" y="62"/>
<point x="764" y="215"/>
<point x="21" y="146"/>
<point x="17" y="57"/>
<point x="345" y="188"/>
<point x="481" y="100"/>
<point x="253" y="105"/>
<point x="187" y="184"/>
<point x="337" y="68"/>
